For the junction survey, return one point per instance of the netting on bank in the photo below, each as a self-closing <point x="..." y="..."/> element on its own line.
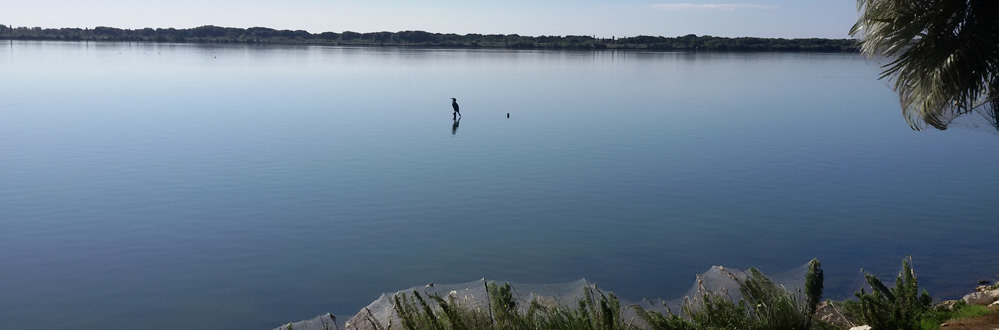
<point x="474" y="296"/>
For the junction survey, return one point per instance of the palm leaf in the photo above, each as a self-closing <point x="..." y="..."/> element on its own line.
<point x="945" y="55"/>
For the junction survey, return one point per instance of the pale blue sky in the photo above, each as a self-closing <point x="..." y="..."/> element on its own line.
<point x="603" y="18"/>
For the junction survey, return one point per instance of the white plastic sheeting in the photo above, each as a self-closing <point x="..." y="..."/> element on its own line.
<point x="380" y="314"/>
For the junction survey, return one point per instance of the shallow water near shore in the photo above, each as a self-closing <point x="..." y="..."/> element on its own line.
<point x="170" y="186"/>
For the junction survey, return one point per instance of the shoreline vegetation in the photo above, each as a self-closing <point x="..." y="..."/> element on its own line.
<point x="754" y="302"/>
<point x="262" y="35"/>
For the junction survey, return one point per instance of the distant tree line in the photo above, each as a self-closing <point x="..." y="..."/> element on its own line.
<point x="216" y="34"/>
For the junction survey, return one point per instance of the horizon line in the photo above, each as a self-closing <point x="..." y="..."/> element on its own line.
<point x="444" y="33"/>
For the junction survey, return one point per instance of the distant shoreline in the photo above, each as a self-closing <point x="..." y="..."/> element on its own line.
<point x="262" y="35"/>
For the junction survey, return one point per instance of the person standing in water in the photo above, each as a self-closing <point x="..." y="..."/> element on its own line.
<point x="454" y="104"/>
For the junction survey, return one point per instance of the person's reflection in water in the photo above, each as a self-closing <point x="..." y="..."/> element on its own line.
<point x="454" y="127"/>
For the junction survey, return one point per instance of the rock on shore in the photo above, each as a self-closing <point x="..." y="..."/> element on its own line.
<point x="983" y="297"/>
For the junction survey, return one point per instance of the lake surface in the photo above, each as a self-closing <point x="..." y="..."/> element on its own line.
<point x="167" y="186"/>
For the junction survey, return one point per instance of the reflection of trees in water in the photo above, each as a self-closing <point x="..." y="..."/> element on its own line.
<point x="945" y="57"/>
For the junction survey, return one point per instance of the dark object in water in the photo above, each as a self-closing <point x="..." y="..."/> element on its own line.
<point x="508" y="115"/>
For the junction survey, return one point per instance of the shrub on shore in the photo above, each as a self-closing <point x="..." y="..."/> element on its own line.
<point x="759" y="303"/>
<point x="764" y="305"/>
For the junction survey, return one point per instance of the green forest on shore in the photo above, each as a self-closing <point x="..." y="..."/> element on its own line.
<point x="262" y="35"/>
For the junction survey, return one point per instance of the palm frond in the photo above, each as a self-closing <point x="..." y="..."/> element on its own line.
<point x="945" y="54"/>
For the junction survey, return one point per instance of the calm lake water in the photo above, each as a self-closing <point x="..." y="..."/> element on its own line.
<point x="166" y="186"/>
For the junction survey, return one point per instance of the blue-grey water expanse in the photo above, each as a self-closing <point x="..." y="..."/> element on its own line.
<point x="169" y="186"/>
